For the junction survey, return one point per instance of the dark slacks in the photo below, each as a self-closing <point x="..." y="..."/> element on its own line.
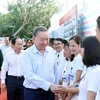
<point x="15" y="88"/>
<point x="31" y="94"/>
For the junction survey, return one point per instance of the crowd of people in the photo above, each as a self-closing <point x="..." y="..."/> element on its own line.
<point x="51" y="69"/>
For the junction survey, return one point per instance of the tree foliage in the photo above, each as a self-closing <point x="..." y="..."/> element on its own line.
<point x="24" y="15"/>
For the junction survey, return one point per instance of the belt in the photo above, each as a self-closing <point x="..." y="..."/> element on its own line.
<point x="37" y="90"/>
<point x="40" y="90"/>
<point x="18" y="77"/>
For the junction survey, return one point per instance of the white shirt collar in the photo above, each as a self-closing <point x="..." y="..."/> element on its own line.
<point x="35" y="50"/>
<point x="61" y="52"/>
<point x="13" y="52"/>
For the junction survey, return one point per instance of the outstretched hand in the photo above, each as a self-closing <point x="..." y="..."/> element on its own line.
<point x="53" y="87"/>
<point x="60" y="89"/>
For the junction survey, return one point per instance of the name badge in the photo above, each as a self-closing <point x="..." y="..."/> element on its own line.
<point x="64" y="79"/>
<point x="71" y="77"/>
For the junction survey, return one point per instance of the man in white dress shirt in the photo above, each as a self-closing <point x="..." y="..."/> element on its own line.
<point x="10" y="46"/>
<point x="6" y="45"/>
<point x="60" y="59"/>
<point x="12" y="65"/>
<point x="38" y="66"/>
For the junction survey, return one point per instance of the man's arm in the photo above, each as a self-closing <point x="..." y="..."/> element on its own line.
<point x="31" y="76"/>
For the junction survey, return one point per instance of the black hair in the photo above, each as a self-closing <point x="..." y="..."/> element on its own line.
<point x="10" y="38"/>
<point x="38" y="29"/>
<point x="65" y="41"/>
<point x="51" y="40"/>
<point x="29" y="40"/>
<point x="91" y="51"/>
<point x="76" y="38"/>
<point x="13" y="41"/>
<point x="98" y="22"/>
<point x="61" y="40"/>
<point x="72" y="55"/>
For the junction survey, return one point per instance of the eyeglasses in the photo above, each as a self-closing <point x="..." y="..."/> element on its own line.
<point x="57" y="44"/>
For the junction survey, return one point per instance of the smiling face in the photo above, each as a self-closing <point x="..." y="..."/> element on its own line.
<point x="67" y="52"/>
<point x="41" y="40"/>
<point x="58" y="45"/>
<point x="18" y="45"/>
<point x="74" y="47"/>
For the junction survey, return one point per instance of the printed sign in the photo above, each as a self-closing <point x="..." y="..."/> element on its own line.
<point x="68" y="24"/>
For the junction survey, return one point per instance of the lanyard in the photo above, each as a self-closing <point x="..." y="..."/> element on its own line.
<point x="83" y="75"/>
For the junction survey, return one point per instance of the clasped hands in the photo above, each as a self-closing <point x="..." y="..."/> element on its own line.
<point x="58" y="89"/>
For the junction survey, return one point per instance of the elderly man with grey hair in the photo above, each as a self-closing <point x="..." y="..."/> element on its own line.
<point x="38" y="66"/>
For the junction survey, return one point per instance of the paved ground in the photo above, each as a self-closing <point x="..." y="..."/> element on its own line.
<point x="3" y="95"/>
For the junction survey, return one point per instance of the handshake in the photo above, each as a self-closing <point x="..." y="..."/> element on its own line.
<point x="58" y="89"/>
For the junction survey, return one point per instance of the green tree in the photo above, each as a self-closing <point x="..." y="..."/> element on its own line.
<point x="24" y="16"/>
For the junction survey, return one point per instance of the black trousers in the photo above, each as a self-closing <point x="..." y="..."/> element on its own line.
<point x="15" y="88"/>
<point x="32" y="94"/>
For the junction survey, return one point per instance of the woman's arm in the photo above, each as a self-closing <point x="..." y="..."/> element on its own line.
<point x="63" y="90"/>
<point x="73" y="90"/>
<point x="91" y="95"/>
<point x="78" y="76"/>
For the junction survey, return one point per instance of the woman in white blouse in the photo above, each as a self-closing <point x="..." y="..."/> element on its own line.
<point x="88" y="88"/>
<point x="76" y="65"/>
<point x="65" y="72"/>
<point x="91" y="58"/>
<point x="98" y="94"/>
<point x="98" y="37"/>
<point x="65" y="78"/>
